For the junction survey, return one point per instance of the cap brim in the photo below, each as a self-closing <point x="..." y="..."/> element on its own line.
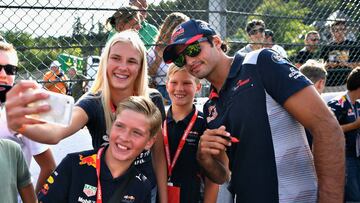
<point x="170" y="53"/>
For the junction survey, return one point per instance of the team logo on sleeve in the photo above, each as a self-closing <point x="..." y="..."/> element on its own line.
<point x="294" y="73"/>
<point x="277" y="58"/>
<point x="89" y="190"/>
<point x="212" y="113"/>
<point x="88" y="160"/>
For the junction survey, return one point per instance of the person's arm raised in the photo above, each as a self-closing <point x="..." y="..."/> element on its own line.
<point x="17" y="108"/>
<point x="328" y="141"/>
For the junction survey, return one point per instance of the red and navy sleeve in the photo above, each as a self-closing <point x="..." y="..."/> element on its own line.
<point x="280" y="78"/>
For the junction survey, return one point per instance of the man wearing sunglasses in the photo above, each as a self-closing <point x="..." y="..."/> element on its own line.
<point x="256" y="32"/>
<point x="30" y="149"/>
<point x="310" y="51"/>
<point x="261" y="99"/>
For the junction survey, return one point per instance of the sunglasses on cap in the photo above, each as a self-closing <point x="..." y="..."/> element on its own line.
<point x="255" y="31"/>
<point x="191" y="50"/>
<point x="9" y="69"/>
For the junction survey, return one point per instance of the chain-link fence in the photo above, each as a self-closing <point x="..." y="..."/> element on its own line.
<point x="74" y="32"/>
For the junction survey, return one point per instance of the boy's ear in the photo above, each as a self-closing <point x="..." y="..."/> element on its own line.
<point x="150" y="142"/>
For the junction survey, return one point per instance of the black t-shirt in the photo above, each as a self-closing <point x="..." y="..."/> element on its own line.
<point x="303" y="55"/>
<point x="75" y="180"/>
<point x="339" y="52"/>
<point x="186" y="172"/>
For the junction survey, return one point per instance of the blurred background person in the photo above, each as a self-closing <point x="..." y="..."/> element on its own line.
<point x="341" y="55"/>
<point x="316" y="73"/>
<point x="124" y="18"/>
<point x="269" y="42"/>
<point x="147" y="31"/>
<point x="157" y="67"/>
<point x="310" y="51"/>
<point x="77" y="84"/>
<point x="54" y="77"/>
<point x="256" y="32"/>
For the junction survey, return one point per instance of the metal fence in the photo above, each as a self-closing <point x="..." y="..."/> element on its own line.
<point x="74" y="32"/>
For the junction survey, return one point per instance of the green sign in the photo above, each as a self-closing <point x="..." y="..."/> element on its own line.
<point x="68" y="61"/>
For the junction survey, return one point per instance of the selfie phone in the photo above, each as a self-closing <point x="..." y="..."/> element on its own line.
<point x="3" y="90"/>
<point x="61" y="107"/>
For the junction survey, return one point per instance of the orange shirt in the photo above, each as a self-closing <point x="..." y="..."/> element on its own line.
<point x="59" y="87"/>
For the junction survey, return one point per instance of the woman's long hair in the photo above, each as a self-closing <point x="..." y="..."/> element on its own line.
<point x="101" y="83"/>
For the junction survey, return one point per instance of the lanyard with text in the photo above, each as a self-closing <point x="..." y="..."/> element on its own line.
<point x="98" y="164"/>
<point x="181" y="144"/>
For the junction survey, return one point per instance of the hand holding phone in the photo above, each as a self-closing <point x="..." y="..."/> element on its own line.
<point x="61" y="107"/>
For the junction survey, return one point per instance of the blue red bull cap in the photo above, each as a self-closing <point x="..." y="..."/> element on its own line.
<point x="185" y="34"/>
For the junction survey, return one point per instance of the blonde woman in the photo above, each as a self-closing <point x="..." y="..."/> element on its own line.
<point x="122" y="73"/>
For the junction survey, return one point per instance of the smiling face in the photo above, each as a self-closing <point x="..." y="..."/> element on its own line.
<point x="123" y="66"/>
<point x="203" y="65"/>
<point x="129" y="136"/>
<point x="182" y="87"/>
<point x="7" y="57"/>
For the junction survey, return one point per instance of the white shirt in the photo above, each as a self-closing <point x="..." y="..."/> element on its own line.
<point x="30" y="148"/>
<point x="160" y="78"/>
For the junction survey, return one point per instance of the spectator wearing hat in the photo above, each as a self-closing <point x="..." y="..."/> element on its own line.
<point x="310" y="51"/>
<point x="54" y="77"/>
<point x="270" y="43"/>
<point x="256" y="33"/>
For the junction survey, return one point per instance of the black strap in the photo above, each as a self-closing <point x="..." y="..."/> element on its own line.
<point x="119" y="192"/>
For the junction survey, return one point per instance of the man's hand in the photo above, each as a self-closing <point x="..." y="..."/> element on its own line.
<point x="211" y="154"/>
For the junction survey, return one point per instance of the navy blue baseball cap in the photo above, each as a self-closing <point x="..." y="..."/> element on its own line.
<point x="185" y="34"/>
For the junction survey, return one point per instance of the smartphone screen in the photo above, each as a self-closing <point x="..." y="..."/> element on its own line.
<point x="3" y="90"/>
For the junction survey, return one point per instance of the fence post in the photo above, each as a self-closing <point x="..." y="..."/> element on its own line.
<point x="216" y="16"/>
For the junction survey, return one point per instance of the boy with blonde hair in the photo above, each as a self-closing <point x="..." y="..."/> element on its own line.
<point x="182" y="130"/>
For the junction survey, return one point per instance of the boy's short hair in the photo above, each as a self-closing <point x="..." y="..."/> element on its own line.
<point x="253" y="23"/>
<point x="174" y="69"/>
<point x="144" y="106"/>
<point x="353" y="80"/>
<point x="314" y="70"/>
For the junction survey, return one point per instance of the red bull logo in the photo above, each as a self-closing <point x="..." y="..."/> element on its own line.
<point x="88" y="160"/>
